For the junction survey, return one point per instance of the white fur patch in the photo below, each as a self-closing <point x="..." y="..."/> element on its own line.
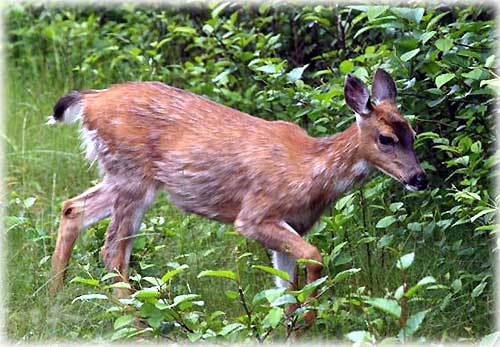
<point x="285" y="225"/>
<point x="50" y="120"/>
<point x="283" y="262"/>
<point x="360" y="168"/>
<point x="89" y="142"/>
<point x="73" y="113"/>
<point x="359" y="118"/>
<point x="342" y="185"/>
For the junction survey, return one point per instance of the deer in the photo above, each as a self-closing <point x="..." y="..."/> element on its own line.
<point x="270" y="179"/>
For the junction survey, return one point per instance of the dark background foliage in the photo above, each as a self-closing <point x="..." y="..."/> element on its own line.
<point x="410" y="263"/>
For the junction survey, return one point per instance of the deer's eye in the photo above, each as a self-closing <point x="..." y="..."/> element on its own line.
<point x="386" y="140"/>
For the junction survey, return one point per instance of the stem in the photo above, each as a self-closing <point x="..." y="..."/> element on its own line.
<point x="249" y="314"/>
<point x="368" y="251"/>
<point x="291" y="327"/>
<point x="403" y="301"/>
<point x="183" y="325"/>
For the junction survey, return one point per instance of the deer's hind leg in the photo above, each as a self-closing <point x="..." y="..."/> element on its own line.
<point x="129" y="207"/>
<point x="78" y="214"/>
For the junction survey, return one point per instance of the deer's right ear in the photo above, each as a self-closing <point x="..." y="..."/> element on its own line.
<point x="356" y="95"/>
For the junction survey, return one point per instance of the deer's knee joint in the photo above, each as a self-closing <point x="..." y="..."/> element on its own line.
<point x="243" y="227"/>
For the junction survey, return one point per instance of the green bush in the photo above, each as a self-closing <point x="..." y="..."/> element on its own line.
<point x="398" y="264"/>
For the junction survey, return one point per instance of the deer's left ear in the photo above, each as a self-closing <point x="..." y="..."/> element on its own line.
<point x="383" y="87"/>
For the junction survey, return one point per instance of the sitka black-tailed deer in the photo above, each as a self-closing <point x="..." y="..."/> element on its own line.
<point x="270" y="179"/>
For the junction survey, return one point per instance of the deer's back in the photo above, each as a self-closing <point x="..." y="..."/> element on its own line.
<point x="209" y="157"/>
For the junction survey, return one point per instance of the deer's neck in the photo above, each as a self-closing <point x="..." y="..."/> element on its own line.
<point x="339" y="164"/>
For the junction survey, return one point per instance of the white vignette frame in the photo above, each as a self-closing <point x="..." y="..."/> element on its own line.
<point x="4" y="340"/>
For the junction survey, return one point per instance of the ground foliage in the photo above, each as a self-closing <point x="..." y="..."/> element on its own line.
<point x="398" y="265"/>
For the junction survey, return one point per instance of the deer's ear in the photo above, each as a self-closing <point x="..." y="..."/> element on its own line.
<point x="383" y="87"/>
<point x="356" y="95"/>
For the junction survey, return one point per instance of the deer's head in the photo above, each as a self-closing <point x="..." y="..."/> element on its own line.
<point x="385" y="137"/>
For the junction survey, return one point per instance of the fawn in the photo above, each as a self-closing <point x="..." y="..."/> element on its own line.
<point x="270" y="178"/>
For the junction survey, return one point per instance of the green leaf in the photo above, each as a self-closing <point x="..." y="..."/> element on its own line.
<point x="88" y="281"/>
<point x="122" y="321"/>
<point x="360" y="336"/>
<point x="427" y="36"/>
<point x="90" y="297"/>
<point x="494" y="83"/>
<point x="387" y="305"/>
<point x="309" y="288"/>
<point x="424" y="281"/>
<point x="410" y="55"/>
<point x="208" y="29"/>
<point x="273" y="317"/>
<point x="338" y="248"/>
<point x="147" y="293"/>
<point x="385" y="240"/>
<point x="108" y="276"/>
<point x="346" y="66"/>
<point x="185" y="297"/>
<point x="269" y="69"/>
<point x="444" y="45"/>
<point x="185" y="30"/>
<point x="273" y="294"/>
<point x="218" y="273"/>
<point x="174" y="272"/>
<point x="231" y="328"/>
<point x="375" y="11"/>
<point x="412" y="325"/>
<point x="231" y="294"/>
<point x="490" y="61"/>
<point x="456" y="285"/>
<point x="385" y="222"/>
<point x="405" y="261"/>
<point x="345" y="274"/>
<point x="474" y="74"/>
<point x="410" y="14"/>
<point x="273" y="271"/>
<point x="476" y="147"/>
<point x="398" y="294"/>
<point x="478" y="290"/>
<point x="435" y="20"/>
<point x="221" y="76"/>
<point x="482" y="213"/>
<point x="122" y="285"/>
<point x="219" y="8"/>
<point x="395" y="206"/>
<point x="283" y="300"/>
<point x="154" y="281"/>
<point x="296" y="74"/>
<point x="443" y="79"/>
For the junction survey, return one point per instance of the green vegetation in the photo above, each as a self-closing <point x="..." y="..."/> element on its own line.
<point x="399" y="265"/>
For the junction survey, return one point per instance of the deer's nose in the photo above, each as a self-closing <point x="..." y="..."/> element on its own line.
<point x="419" y="181"/>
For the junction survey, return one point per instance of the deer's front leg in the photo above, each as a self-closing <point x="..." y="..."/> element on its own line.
<point x="278" y="236"/>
